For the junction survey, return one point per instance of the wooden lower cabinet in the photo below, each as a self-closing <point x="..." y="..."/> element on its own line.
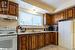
<point x="41" y="40"/>
<point x="51" y="38"/>
<point x="22" y="42"/>
<point x="29" y="39"/>
<point x="47" y="38"/>
<point x="54" y="38"/>
<point x="35" y="41"/>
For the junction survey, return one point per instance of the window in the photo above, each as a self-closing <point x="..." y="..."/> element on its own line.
<point x="37" y="20"/>
<point x="30" y="19"/>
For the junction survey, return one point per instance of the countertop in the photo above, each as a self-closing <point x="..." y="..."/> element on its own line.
<point x="36" y="32"/>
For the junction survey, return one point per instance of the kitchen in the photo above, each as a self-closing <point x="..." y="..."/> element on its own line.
<point x="37" y="25"/>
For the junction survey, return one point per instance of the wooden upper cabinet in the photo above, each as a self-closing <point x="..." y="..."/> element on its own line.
<point x="61" y="15"/>
<point x="48" y="19"/>
<point x="8" y="8"/>
<point x="56" y="18"/>
<point x="3" y="6"/>
<point x="13" y="9"/>
<point x="67" y="14"/>
<point x="64" y="15"/>
<point x="70" y="13"/>
<point x="74" y="12"/>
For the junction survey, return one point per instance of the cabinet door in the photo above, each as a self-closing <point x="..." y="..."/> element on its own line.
<point x="64" y="15"/>
<point x="56" y="18"/>
<point x="47" y="38"/>
<point x="41" y="40"/>
<point x="74" y="12"/>
<point x="61" y="16"/>
<point x="48" y="19"/>
<point x="22" y="42"/>
<point x="13" y="9"/>
<point x="29" y="42"/>
<point x="37" y="41"/>
<point x="70" y="13"/>
<point x="3" y="7"/>
<point x="34" y="41"/>
<point x="53" y="38"/>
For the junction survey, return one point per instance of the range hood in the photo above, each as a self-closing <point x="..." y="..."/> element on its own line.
<point x="8" y="17"/>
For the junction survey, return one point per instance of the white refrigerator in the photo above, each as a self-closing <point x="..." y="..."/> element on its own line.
<point x="66" y="36"/>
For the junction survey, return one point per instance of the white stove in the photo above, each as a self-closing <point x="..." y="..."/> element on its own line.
<point x="7" y="31"/>
<point x="8" y="39"/>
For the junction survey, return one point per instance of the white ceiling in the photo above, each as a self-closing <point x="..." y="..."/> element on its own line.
<point x="59" y="4"/>
<point x="55" y="3"/>
<point x="66" y="5"/>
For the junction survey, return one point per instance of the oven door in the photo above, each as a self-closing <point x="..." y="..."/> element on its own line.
<point x="8" y="42"/>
